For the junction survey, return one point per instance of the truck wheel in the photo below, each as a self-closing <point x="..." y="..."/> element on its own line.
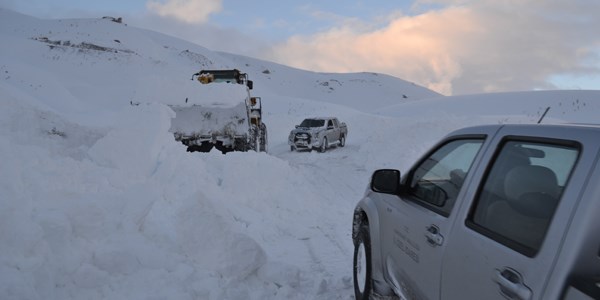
<point x="254" y="138"/>
<point x="342" y="141"/>
<point x="323" y="145"/>
<point x="362" y="264"/>
<point x="263" y="137"/>
<point x="292" y="148"/>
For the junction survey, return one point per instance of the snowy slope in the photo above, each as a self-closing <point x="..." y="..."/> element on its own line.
<point x="560" y="106"/>
<point x="99" y="202"/>
<point x="354" y="90"/>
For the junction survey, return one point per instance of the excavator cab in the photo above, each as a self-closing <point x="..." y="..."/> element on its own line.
<point x="229" y="76"/>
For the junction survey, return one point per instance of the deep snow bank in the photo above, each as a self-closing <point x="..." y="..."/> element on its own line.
<point x="138" y="217"/>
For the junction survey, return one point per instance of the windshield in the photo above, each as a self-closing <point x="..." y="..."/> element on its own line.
<point x="312" y="123"/>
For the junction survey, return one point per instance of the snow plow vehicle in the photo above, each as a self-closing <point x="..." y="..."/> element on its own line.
<point x="220" y="112"/>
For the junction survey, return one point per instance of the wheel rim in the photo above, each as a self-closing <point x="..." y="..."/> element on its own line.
<point x="361" y="267"/>
<point x="343" y="142"/>
<point x="324" y="145"/>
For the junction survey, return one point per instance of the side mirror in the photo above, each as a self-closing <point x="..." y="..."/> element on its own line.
<point x="386" y="181"/>
<point x="297" y="126"/>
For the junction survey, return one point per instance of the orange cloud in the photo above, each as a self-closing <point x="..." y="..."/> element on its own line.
<point x="477" y="46"/>
<point x="413" y="48"/>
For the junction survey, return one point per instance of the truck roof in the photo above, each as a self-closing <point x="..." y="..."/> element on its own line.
<point x="321" y="118"/>
<point x="479" y="129"/>
<point x="557" y="125"/>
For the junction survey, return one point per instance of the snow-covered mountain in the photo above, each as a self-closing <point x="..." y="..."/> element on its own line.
<point x="98" y="201"/>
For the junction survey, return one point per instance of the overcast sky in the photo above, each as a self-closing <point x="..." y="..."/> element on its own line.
<point x="450" y="46"/>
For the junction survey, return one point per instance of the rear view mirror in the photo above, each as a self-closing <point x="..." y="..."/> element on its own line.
<point x="386" y="181"/>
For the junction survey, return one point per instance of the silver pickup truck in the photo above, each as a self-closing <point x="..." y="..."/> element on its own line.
<point x="490" y="212"/>
<point x="318" y="133"/>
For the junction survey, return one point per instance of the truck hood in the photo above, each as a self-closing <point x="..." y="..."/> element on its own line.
<point x="309" y="130"/>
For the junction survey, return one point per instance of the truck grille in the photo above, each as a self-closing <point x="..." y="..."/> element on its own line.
<point x="302" y="137"/>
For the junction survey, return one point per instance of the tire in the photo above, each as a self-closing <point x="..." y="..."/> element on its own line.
<point x="241" y="145"/>
<point x="324" y="145"/>
<point x="292" y="148"/>
<point x="342" y="140"/>
<point x="362" y="270"/>
<point x="254" y="138"/>
<point x="264" y="142"/>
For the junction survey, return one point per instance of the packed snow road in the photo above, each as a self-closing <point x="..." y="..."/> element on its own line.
<point x="316" y="215"/>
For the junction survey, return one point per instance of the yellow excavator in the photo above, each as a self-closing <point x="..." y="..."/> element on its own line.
<point x="220" y="114"/>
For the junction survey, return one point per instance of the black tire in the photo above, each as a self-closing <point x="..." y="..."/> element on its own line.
<point x="254" y="138"/>
<point x="292" y="148"/>
<point x="362" y="269"/>
<point x="240" y="145"/>
<point x="324" y="145"/>
<point x="342" y="141"/>
<point x="263" y="137"/>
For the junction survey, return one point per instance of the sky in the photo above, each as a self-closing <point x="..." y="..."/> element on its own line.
<point x="450" y="46"/>
<point x="100" y="202"/>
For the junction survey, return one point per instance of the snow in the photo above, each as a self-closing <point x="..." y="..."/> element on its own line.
<point x="200" y="120"/>
<point x="98" y="201"/>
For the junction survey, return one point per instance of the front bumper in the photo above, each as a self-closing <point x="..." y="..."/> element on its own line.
<point x="303" y="140"/>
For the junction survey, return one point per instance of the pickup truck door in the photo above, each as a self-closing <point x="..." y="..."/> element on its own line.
<point x="333" y="132"/>
<point x="510" y="232"/>
<point x="413" y="226"/>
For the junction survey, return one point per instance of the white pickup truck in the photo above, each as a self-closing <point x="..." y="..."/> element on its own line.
<point x="491" y="212"/>
<point x="318" y="133"/>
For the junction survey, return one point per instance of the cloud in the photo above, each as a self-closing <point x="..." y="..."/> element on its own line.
<point x="208" y="35"/>
<point x="189" y="11"/>
<point x="469" y="47"/>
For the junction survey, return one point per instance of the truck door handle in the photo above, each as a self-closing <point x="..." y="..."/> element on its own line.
<point x="433" y="236"/>
<point x="511" y="284"/>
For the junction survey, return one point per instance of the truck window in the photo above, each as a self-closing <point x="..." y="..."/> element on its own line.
<point x="436" y="181"/>
<point x="520" y="193"/>
<point x="312" y="123"/>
